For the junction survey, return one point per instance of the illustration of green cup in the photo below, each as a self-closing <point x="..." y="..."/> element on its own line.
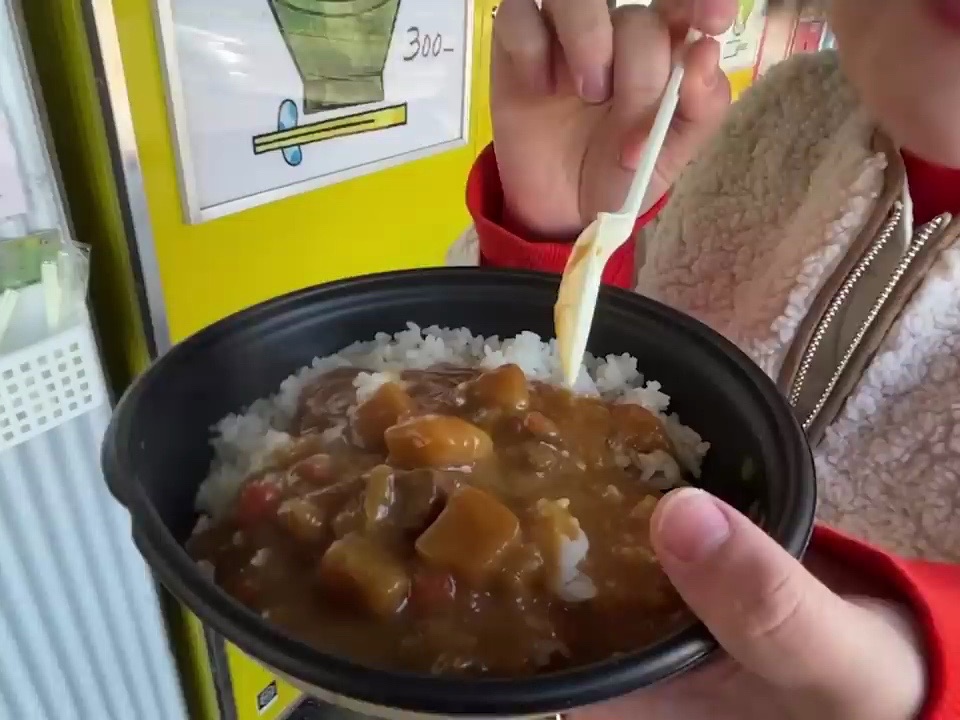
<point x="744" y="11"/>
<point x="339" y="47"/>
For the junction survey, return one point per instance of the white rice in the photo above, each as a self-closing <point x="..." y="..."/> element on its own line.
<point x="368" y="383"/>
<point x="568" y="551"/>
<point x="243" y="442"/>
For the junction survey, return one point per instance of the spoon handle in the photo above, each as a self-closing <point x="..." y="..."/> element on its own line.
<point x="658" y="134"/>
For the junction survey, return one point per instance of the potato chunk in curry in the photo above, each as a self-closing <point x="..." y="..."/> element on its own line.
<point x="385" y="408"/>
<point x="504" y="388"/>
<point x="436" y="441"/>
<point x="356" y="569"/>
<point x="470" y="537"/>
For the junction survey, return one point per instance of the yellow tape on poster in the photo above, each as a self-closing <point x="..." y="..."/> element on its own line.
<point x="343" y="126"/>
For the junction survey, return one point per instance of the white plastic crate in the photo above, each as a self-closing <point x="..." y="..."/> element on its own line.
<point x="47" y="383"/>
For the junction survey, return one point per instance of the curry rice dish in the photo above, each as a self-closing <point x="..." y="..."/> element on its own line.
<point x="435" y="501"/>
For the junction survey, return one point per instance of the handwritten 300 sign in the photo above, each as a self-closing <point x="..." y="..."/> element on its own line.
<point x="423" y="46"/>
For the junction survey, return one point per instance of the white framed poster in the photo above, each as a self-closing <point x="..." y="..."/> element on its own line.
<point x="272" y="98"/>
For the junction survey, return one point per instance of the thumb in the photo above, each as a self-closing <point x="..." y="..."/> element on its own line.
<point x="767" y="612"/>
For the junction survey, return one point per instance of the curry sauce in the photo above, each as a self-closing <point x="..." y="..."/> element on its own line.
<point x="453" y="520"/>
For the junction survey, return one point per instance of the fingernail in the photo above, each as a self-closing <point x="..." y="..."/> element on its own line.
<point x="594" y="86"/>
<point x="690" y="525"/>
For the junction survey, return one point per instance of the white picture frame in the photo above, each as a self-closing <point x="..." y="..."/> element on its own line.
<point x="268" y="99"/>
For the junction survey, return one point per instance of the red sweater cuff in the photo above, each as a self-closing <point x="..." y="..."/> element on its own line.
<point x="932" y="590"/>
<point x="499" y="247"/>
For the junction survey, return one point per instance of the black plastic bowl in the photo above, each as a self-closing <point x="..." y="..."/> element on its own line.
<point x="156" y="453"/>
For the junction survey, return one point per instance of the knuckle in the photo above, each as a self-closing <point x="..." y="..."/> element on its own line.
<point x="636" y="18"/>
<point x="669" y="9"/>
<point x="511" y="27"/>
<point x="583" y="26"/>
<point x="773" y="612"/>
<point x="524" y="49"/>
<point x="642" y="47"/>
<point x="508" y="11"/>
<point x="582" y="48"/>
<point x="505" y="18"/>
<point x="727" y="13"/>
<point x="639" y="27"/>
<point x="724" y="96"/>
<point x="667" y="169"/>
<point x="704" y="109"/>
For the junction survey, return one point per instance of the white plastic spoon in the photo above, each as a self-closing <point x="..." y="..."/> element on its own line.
<point x="580" y="284"/>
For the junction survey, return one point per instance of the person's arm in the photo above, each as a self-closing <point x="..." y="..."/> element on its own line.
<point x="500" y="243"/>
<point x="930" y="590"/>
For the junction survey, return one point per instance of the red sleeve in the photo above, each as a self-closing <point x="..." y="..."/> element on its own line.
<point x="500" y="247"/>
<point x="932" y="590"/>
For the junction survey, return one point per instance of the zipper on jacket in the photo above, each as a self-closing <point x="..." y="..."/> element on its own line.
<point x="917" y="243"/>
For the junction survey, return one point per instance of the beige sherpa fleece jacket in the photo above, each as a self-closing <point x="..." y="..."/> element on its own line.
<point x="792" y="235"/>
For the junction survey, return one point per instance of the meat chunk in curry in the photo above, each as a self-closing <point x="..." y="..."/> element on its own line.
<point x="453" y="520"/>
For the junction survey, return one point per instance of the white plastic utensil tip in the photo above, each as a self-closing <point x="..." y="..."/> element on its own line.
<point x="580" y="288"/>
<point x="580" y="285"/>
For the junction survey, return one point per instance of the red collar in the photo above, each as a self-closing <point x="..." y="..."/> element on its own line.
<point x="934" y="189"/>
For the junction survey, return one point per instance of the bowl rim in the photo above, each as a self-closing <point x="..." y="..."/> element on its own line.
<point x="421" y="693"/>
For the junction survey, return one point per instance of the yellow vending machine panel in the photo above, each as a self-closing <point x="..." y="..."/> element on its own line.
<point x="217" y="155"/>
<point x="486" y="12"/>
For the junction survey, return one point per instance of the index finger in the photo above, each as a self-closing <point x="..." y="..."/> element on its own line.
<point x="585" y="32"/>
<point x="711" y="17"/>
